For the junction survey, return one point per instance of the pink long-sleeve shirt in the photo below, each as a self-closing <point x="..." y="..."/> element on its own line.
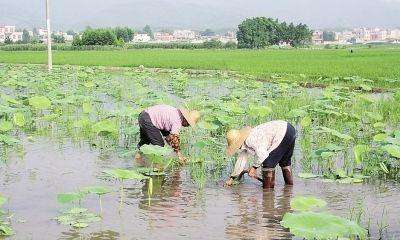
<point x="165" y="117"/>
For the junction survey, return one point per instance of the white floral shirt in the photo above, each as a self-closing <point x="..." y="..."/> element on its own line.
<point x="262" y="140"/>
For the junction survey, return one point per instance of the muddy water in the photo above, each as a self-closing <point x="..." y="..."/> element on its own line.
<point x="177" y="210"/>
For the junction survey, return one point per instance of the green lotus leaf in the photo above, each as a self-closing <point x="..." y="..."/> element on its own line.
<point x="359" y="151"/>
<point x="5" y="230"/>
<point x="2" y="200"/>
<point x="80" y="225"/>
<point x="5" y="126"/>
<point x="99" y="190"/>
<point x="87" y="107"/>
<point x="311" y="225"/>
<point x="19" y="119"/>
<point x="393" y="150"/>
<point x="303" y="203"/>
<point x="8" y="140"/>
<point x="68" y="197"/>
<point x="381" y="137"/>
<point x="40" y="102"/>
<point x="156" y="150"/>
<point x="108" y="126"/>
<point x="335" y="133"/>
<point x="260" y="111"/>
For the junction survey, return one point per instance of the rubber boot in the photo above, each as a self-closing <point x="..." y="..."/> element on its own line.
<point x="287" y="175"/>
<point x="269" y="178"/>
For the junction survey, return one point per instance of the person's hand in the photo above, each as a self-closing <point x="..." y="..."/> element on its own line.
<point x="228" y="182"/>
<point x="253" y="172"/>
<point x="182" y="159"/>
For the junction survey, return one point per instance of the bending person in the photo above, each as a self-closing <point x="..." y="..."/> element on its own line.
<point x="272" y="143"/>
<point x="166" y="121"/>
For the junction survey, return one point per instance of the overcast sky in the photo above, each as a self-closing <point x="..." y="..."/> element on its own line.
<point x="200" y="14"/>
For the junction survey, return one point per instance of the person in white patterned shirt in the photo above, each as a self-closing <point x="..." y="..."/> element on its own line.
<point x="272" y="143"/>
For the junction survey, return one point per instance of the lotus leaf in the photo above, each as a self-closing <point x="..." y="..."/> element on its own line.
<point x="381" y="137"/>
<point x="303" y="203"/>
<point x="359" y="151"/>
<point x="99" y="190"/>
<point x="69" y="197"/>
<point x="311" y="225"/>
<point x="106" y="126"/>
<point x="77" y="217"/>
<point x="8" y="140"/>
<point x="2" y="200"/>
<point x="5" y="230"/>
<point x="260" y="111"/>
<point x="335" y="133"/>
<point x="19" y="119"/>
<point x="393" y="150"/>
<point x="5" y="126"/>
<point x="40" y="102"/>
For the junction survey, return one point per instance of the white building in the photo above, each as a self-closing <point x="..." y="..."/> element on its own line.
<point x="163" y="37"/>
<point x="141" y="37"/>
<point x="16" y="36"/>
<point x="182" y="35"/>
<point x="2" y="37"/>
<point x="9" y="29"/>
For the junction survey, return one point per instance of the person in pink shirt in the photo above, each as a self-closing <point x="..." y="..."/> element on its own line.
<point x="161" y="121"/>
<point x="272" y="143"/>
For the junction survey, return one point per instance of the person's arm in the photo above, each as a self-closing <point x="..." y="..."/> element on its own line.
<point x="174" y="141"/>
<point x="240" y="165"/>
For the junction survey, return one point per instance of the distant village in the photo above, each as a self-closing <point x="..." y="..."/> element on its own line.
<point x="320" y="37"/>
<point x="356" y="36"/>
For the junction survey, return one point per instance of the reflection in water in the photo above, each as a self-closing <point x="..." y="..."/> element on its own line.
<point x="260" y="214"/>
<point x="101" y="235"/>
<point x="178" y="209"/>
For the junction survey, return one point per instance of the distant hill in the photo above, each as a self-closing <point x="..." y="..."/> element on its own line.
<point x="199" y="14"/>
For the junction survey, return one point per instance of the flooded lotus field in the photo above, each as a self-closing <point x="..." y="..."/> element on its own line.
<point x="65" y="137"/>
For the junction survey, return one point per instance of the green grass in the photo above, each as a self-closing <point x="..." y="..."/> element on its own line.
<point x="377" y="64"/>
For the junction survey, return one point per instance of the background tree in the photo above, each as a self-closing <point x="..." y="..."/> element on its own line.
<point x="26" y="38"/>
<point x="124" y="33"/>
<point x="212" y="44"/>
<point x="260" y="32"/>
<point x="71" y="32"/>
<point x="328" y="36"/>
<point x="77" y="41"/>
<point x="148" y="31"/>
<point x="7" y="40"/>
<point x="98" y="37"/>
<point x="57" y="38"/>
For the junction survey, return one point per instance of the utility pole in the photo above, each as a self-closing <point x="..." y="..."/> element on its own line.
<point x="49" y="54"/>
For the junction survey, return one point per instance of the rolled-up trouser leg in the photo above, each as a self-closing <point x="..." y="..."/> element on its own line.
<point x="268" y="178"/>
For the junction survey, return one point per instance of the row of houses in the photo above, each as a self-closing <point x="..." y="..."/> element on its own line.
<point x="183" y="36"/>
<point x="15" y="34"/>
<point x="357" y="35"/>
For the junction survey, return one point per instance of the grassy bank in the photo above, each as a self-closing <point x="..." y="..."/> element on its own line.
<point x="377" y="64"/>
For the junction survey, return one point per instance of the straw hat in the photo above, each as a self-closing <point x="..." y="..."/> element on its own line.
<point x="191" y="116"/>
<point x="235" y="139"/>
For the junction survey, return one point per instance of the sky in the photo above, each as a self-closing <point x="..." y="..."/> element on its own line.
<point x="199" y="14"/>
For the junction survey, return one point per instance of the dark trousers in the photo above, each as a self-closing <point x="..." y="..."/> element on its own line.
<point x="284" y="152"/>
<point x="150" y="134"/>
